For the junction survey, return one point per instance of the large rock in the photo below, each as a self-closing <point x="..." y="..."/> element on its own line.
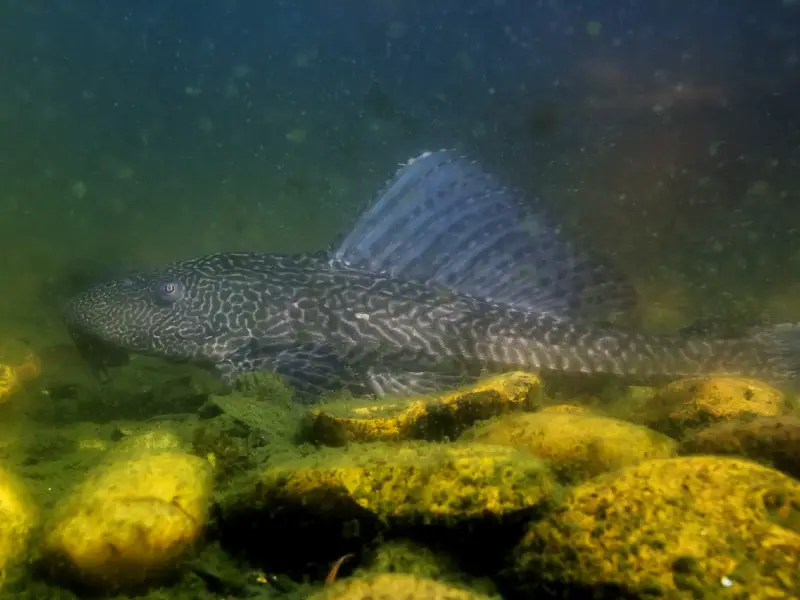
<point x="395" y="586"/>
<point x="578" y="446"/>
<point x="420" y="482"/>
<point x="18" y="364"/>
<point x="17" y="518"/>
<point x="134" y="518"/>
<point x="431" y="418"/>
<point x="343" y="498"/>
<point x="697" y="527"/>
<point x="698" y="401"/>
<point x="774" y="441"/>
<point x="406" y="556"/>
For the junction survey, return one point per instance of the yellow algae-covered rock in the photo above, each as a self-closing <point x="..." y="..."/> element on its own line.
<point x="394" y="586"/>
<point x="150" y="440"/>
<point x="17" y="517"/>
<point x="18" y="364"/>
<point x="774" y="441"/>
<point x="694" y="527"/>
<point x="131" y="520"/>
<point x="578" y="446"/>
<point x="406" y="556"/>
<point x="572" y="409"/>
<point x="412" y="482"/>
<point x="701" y="400"/>
<point x="93" y="444"/>
<point x="431" y="418"/>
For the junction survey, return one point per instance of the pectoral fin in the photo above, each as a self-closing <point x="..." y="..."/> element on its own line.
<point x="311" y="369"/>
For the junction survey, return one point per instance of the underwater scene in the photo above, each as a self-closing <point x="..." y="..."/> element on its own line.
<point x="400" y="300"/>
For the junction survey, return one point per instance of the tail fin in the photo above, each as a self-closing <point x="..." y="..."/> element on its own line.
<point x="781" y="344"/>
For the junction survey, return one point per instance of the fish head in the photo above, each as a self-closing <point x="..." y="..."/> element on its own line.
<point x="172" y="313"/>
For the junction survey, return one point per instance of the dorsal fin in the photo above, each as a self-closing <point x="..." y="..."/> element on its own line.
<point x="443" y="220"/>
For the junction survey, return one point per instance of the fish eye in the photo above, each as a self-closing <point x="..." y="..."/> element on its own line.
<point x="168" y="290"/>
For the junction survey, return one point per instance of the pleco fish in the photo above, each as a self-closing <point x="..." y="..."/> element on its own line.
<point x="448" y="275"/>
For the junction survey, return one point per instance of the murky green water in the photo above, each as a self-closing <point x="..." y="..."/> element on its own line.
<point x="664" y="137"/>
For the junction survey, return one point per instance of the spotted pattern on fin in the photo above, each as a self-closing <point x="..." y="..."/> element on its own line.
<point x="443" y="220"/>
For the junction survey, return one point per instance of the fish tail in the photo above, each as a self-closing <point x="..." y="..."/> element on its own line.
<point x="772" y="354"/>
<point x="780" y="347"/>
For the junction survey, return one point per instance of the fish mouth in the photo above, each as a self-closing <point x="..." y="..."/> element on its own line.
<point x="98" y="354"/>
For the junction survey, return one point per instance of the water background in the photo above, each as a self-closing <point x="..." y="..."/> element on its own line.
<point x="664" y="133"/>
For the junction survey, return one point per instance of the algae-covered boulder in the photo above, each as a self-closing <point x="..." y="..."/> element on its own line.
<point x="414" y="482"/>
<point x="150" y="440"/>
<point x="698" y="401"/>
<point x="774" y="441"/>
<point x="394" y="587"/>
<point x="432" y="418"/>
<point x="133" y="519"/>
<point x="409" y="557"/>
<point x="695" y="527"/>
<point x="344" y="498"/>
<point x="17" y="517"/>
<point x="18" y="364"/>
<point x="573" y="409"/>
<point x="579" y="446"/>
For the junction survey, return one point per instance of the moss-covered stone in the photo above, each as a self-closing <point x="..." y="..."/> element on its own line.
<point x="17" y="518"/>
<point x="406" y="556"/>
<point x="18" y="364"/>
<point x="432" y="418"/>
<point x="394" y="587"/>
<point x="416" y="482"/>
<point x="698" y="527"/>
<point x="578" y="446"/>
<point x="572" y="409"/>
<point x="344" y="499"/>
<point x="149" y="440"/>
<point x="699" y="401"/>
<point x="133" y="519"/>
<point x="774" y="441"/>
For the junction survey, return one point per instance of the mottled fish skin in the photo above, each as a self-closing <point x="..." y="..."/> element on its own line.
<point x="240" y="312"/>
<point x="426" y="291"/>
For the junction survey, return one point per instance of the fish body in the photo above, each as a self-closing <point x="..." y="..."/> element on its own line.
<point x="447" y="276"/>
